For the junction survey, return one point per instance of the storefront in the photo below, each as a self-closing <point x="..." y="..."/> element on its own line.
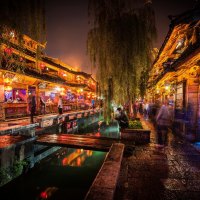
<point x="23" y="73"/>
<point x="175" y="74"/>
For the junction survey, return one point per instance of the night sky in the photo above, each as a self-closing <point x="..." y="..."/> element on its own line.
<point x="67" y="27"/>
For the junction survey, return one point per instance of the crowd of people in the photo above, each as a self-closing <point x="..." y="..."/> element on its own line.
<point x="161" y="115"/>
<point x="32" y="100"/>
<point x="33" y="105"/>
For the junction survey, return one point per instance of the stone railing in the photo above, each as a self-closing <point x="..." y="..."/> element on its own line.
<point x="105" y="182"/>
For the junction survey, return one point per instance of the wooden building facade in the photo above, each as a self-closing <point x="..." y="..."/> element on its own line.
<point x="24" y="68"/>
<point x="175" y="75"/>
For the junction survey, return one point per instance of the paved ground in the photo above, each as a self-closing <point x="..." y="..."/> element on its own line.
<point x="169" y="173"/>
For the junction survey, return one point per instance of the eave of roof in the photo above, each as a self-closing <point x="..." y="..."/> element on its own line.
<point x="185" y="17"/>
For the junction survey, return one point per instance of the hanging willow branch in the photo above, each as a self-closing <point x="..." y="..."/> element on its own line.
<point x="120" y="44"/>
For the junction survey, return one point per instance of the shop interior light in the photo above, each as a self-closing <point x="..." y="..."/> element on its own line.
<point x="58" y="89"/>
<point x="8" y="88"/>
<point x="12" y="34"/>
<point x="167" y="87"/>
<point x="7" y="80"/>
<point x="64" y="74"/>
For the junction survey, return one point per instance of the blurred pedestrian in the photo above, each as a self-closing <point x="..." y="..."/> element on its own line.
<point x="93" y="103"/>
<point x="146" y="110"/>
<point x="42" y="105"/>
<point x="164" y="122"/>
<point x="60" y="105"/>
<point x="32" y="106"/>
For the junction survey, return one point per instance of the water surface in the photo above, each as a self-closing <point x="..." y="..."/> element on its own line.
<point x="66" y="174"/>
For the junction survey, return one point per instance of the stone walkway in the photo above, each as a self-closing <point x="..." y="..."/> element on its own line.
<point x="160" y="174"/>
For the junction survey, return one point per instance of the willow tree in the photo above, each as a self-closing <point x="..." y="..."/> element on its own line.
<point x="119" y="45"/>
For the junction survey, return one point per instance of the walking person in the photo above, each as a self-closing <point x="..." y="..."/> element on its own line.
<point x="60" y="105"/>
<point x="146" y="110"/>
<point x="42" y="105"/>
<point x="93" y="103"/>
<point x="163" y="121"/>
<point x="32" y="106"/>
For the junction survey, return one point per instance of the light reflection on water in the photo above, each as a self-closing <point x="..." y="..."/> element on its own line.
<point x="76" y="158"/>
<point x="67" y="174"/>
<point x="102" y="130"/>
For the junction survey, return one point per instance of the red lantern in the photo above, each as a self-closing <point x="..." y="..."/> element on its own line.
<point x="43" y="195"/>
<point x="8" y="51"/>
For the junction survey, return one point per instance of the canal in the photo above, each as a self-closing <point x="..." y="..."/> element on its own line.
<point x="66" y="174"/>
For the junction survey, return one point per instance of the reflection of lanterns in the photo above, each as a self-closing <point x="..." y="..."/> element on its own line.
<point x="78" y="161"/>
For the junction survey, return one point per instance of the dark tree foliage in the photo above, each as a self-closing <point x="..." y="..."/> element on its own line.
<point x="18" y="17"/>
<point x="120" y="45"/>
<point x="24" y="16"/>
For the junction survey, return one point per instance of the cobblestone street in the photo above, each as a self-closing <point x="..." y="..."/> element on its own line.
<point x="152" y="173"/>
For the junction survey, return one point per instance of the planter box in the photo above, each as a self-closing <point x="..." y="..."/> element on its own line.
<point x="138" y="136"/>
